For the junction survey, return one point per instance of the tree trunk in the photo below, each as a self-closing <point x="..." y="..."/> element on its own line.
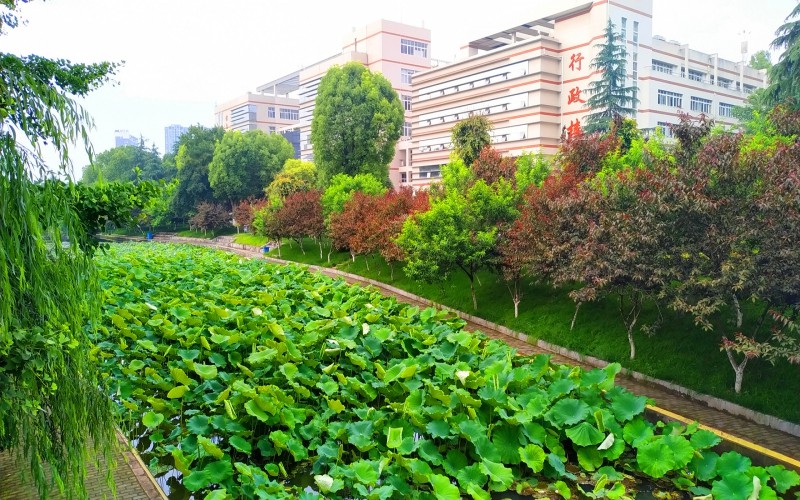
<point x="575" y="316"/>
<point x="631" y="318"/>
<point x="353" y="256"/>
<point x="279" y="250"/>
<point x="472" y="290"/>
<point x="516" y="308"/>
<point x="738" y="369"/>
<point x="300" y="244"/>
<point x="391" y="272"/>
<point x="366" y="261"/>
<point x="320" y="248"/>
<point x="330" y="251"/>
<point x="631" y="342"/>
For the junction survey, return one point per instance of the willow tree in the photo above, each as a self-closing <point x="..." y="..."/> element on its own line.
<point x="53" y="415"/>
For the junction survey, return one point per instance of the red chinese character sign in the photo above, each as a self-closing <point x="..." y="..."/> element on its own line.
<point x="575" y="96"/>
<point x="574" y="129"/>
<point x="575" y="61"/>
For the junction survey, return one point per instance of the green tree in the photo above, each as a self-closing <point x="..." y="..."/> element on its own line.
<point x="53" y="415"/>
<point x="357" y="121"/>
<point x="245" y="163"/>
<point x="784" y="75"/>
<point x="609" y="96"/>
<point x="195" y="152"/>
<point x="296" y="176"/>
<point x="127" y="163"/>
<point x="459" y="232"/>
<point x="761" y="60"/>
<point x="343" y="186"/>
<point x="470" y="136"/>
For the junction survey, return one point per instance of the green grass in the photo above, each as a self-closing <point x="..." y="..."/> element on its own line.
<point x="250" y="239"/>
<point x="679" y="351"/>
<point x="207" y="235"/>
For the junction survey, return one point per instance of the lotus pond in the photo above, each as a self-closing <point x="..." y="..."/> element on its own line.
<point x="240" y="379"/>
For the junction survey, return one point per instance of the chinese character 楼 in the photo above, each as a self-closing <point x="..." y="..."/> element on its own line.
<point x="574" y="128"/>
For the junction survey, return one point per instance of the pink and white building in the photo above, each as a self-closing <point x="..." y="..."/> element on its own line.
<point x="532" y="81"/>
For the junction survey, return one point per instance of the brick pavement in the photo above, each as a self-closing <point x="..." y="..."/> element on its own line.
<point x="133" y="481"/>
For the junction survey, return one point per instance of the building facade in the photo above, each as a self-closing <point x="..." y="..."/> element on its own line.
<point x="172" y="134"/>
<point x="264" y="111"/>
<point x="124" y="138"/>
<point x="532" y="82"/>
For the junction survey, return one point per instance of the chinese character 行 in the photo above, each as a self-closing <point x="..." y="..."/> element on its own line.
<point x="575" y="61"/>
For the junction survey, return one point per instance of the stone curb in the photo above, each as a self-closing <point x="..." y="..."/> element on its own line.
<point x="140" y="470"/>
<point x="711" y="401"/>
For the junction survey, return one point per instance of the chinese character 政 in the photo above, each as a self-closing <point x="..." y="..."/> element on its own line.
<point x="574" y="95"/>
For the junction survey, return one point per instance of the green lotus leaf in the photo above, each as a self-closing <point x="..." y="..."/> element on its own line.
<point x="182" y="463"/>
<point x="152" y="419"/>
<point x="682" y="450"/>
<point x="188" y="354"/>
<point x="533" y="456"/>
<point x="198" y="424"/>
<point x="589" y="458"/>
<point x="365" y="471"/>
<point x="567" y="412"/>
<point x="359" y="434"/>
<point x="136" y="364"/>
<point x="454" y="462"/>
<point x="213" y="473"/>
<point x="252" y="409"/>
<point x="443" y="488"/>
<point x="732" y="463"/>
<point x="562" y="489"/>
<point x="419" y="469"/>
<point x="704" y="439"/>
<point x="732" y="486"/>
<point x="241" y="444"/>
<point x="220" y="494"/>
<point x="329" y="450"/>
<point x="477" y="493"/>
<point x="637" y="431"/>
<point x="335" y="405"/>
<point x="177" y="392"/>
<point x="210" y="447"/>
<point x="205" y="371"/>
<point x="784" y="479"/>
<point x="626" y="406"/>
<point x="472" y="475"/>
<point x="394" y="437"/>
<point x="427" y="450"/>
<point x="438" y="428"/>
<point x="655" y="459"/>
<point x="500" y="476"/>
<point x="289" y="370"/>
<point x="263" y="356"/>
<point x="180" y="376"/>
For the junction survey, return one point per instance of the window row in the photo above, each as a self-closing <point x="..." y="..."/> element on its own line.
<point x="289" y="114"/>
<point x="405" y="75"/>
<point x="698" y="104"/>
<point x="413" y="48"/>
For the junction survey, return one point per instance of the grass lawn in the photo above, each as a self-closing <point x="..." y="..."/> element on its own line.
<point x="679" y="351"/>
<point x="250" y="239"/>
<point x="207" y="235"/>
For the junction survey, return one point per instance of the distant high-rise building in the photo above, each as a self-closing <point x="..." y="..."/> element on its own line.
<point x="171" y="136"/>
<point x="124" y="138"/>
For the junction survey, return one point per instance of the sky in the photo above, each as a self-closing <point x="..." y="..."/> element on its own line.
<point x="182" y="57"/>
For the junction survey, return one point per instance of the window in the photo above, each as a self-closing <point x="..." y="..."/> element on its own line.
<point x="623" y="33"/>
<point x="664" y="126"/>
<point x="663" y="67"/>
<point x="413" y="48"/>
<point x="696" y="76"/>
<point x="671" y="99"/>
<point x="635" y="74"/>
<point x="403" y="177"/>
<point x="271" y="112"/>
<point x="406" y="129"/>
<point x="726" y="109"/>
<point x="700" y="104"/>
<point x="405" y="75"/>
<point x="636" y="32"/>
<point x="289" y="114"/>
<point x="406" y="102"/>
<point x="271" y="129"/>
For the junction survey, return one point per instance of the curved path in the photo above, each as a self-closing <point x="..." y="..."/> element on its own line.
<point x="761" y="442"/>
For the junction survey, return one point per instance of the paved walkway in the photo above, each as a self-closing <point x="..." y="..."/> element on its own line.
<point x="133" y="481"/>
<point x="743" y="434"/>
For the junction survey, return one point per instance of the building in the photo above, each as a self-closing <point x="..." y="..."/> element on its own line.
<point x="172" y="134"/>
<point x="124" y="138"/>
<point x="395" y="50"/>
<point x="532" y="82"/>
<point x="265" y="111"/>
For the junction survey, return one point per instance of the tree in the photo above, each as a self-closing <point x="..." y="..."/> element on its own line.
<point x="301" y="217"/>
<point x="784" y="75"/>
<point x="210" y="216"/>
<point x="609" y="96"/>
<point x="394" y="207"/>
<point x="296" y="175"/>
<point x="350" y="228"/>
<point x="245" y="163"/>
<point x="491" y="166"/>
<point x="243" y="215"/>
<point x="470" y="136"/>
<point x="53" y="411"/>
<point x="342" y="187"/>
<point x="127" y="163"/>
<point x="459" y="232"/>
<point x="357" y="121"/>
<point x="760" y="60"/>
<point x="195" y="152"/>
